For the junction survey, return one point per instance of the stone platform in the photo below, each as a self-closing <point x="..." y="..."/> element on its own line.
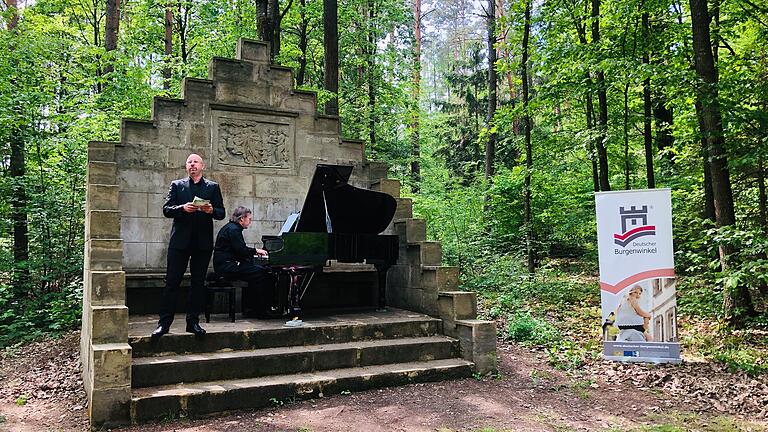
<point x="252" y="363"/>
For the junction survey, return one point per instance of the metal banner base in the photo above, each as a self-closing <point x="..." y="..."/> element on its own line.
<point x="642" y="352"/>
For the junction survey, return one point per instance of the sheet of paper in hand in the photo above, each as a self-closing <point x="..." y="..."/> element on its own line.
<point x="197" y="201"/>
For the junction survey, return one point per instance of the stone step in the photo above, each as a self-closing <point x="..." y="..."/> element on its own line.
<point x="256" y="334"/>
<point x="155" y="371"/>
<point x="196" y="399"/>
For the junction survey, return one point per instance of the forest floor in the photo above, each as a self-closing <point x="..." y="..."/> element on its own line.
<point x="41" y="390"/>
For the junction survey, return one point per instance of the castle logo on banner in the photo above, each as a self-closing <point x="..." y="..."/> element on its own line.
<point x="637" y="276"/>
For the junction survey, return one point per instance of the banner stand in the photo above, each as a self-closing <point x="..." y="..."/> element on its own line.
<point x="637" y="276"/>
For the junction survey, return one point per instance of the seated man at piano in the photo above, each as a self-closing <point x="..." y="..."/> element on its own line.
<point x="234" y="260"/>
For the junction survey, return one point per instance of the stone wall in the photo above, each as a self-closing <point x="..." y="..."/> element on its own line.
<point x="259" y="138"/>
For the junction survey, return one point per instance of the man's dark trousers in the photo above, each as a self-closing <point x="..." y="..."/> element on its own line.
<point x="260" y="294"/>
<point x="178" y="259"/>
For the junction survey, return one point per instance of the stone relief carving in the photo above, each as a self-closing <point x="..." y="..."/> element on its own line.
<point x="252" y="143"/>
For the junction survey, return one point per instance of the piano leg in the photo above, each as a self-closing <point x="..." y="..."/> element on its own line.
<point x="381" y="270"/>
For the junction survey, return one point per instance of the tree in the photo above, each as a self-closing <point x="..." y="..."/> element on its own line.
<point x="528" y="146"/>
<point x="737" y="303"/>
<point x="490" y="145"/>
<point x="331" y="46"/>
<point x="416" y="94"/>
<point x="602" y="99"/>
<point x="111" y="30"/>
<point x="647" y="107"/>
<point x="168" y="43"/>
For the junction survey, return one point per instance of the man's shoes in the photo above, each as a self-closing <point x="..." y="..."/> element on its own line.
<point x="159" y="331"/>
<point x="195" y="329"/>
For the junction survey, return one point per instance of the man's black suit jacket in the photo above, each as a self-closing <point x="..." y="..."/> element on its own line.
<point x="192" y="230"/>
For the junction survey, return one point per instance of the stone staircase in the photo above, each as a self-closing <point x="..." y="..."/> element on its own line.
<point x="257" y="363"/>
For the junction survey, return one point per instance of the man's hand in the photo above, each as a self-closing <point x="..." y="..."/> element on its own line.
<point x="206" y="208"/>
<point x="261" y="252"/>
<point x="190" y="208"/>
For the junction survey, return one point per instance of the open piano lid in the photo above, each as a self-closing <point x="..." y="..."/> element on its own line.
<point x="349" y="209"/>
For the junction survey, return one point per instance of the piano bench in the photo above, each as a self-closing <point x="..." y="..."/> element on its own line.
<point x="215" y="285"/>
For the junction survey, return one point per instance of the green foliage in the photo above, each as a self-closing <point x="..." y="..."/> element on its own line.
<point x="524" y="328"/>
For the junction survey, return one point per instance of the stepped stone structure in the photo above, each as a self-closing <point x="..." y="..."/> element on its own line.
<point x="261" y="140"/>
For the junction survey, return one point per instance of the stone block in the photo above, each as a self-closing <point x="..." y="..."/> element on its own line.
<point x="133" y="204"/>
<point x="427" y="253"/>
<point x="108" y="408"/>
<point x="304" y="102"/>
<point x="234" y="184"/>
<point x="102" y="197"/>
<point x="281" y="77"/>
<point x="252" y="50"/>
<point x="229" y="70"/>
<point x="198" y="137"/>
<point x="99" y="172"/>
<point x="100" y="151"/>
<point x="167" y="109"/>
<point x="144" y="155"/>
<point x="398" y="276"/>
<point x="134" y="255"/>
<point x="478" y="343"/>
<point x="388" y="186"/>
<point x="440" y="278"/>
<point x="107" y="288"/>
<point x="237" y="93"/>
<point x="326" y="125"/>
<point x="195" y="90"/>
<point x="157" y="255"/>
<point x="411" y="230"/>
<point x="377" y="170"/>
<point x="133" y="131"/>
<point x="135" y="229"/>
<point x="274" y="209"/>
<point x="429" y="303"/>
<point x="104" y="254"/>
<point x="111" y="366"/>
<point x="103" y="224"/>
<point x="142" y="180"/>
<point x="457" y="305"/>
<point x="404" y="209"/>
<point x="109" y="324"/>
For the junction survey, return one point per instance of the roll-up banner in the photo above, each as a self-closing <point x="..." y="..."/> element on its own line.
<point x="637" y="276"/>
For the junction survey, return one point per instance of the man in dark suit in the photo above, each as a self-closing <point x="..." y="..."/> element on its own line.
<point x="233" y="260"/>
<point x="191" y="242"/>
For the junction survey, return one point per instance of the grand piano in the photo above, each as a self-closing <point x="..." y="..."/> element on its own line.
<point x="337" y="222"/>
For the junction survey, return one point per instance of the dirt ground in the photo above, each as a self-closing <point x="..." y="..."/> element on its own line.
<point x="41" y="391"/>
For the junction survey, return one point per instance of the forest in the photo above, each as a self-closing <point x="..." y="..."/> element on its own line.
<point x="501" y="118"/>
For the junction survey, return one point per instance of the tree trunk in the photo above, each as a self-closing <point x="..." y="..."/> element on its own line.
<point x="528" y="146"/>
<point x="626" y="137"/>
<point x="17" y="167"/>
<point x="602" y="100"/>
<point x="331" y="46"/>
<point x="762" y="201"/>
<point x="490" y="145"/>
<point x="111" y="29"/>
<point x="664" y="120"/>
<point x="168" y="51"/>
<point x="737" y="303"/>
<point x="416" y="94"/>
<point x="647" y="117"/>
<point x="303" y="38"/>
<point x="371" y="65"/>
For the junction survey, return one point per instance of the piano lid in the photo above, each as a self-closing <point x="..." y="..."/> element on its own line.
<point x="349" y="209"/>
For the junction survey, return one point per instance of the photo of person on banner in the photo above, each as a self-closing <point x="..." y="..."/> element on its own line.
<point x="631" y="319"/>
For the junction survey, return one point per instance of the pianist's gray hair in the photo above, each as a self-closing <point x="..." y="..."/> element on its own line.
<point x="239" y="213"/>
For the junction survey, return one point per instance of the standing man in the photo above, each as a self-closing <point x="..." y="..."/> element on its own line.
<point x="191" y="242"/>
